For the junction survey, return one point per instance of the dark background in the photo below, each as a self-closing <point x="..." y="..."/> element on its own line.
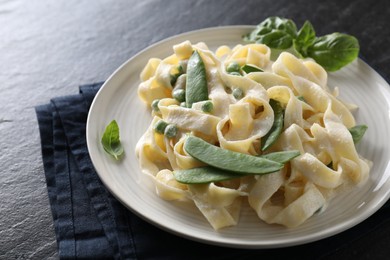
<point x="48" y="48"/>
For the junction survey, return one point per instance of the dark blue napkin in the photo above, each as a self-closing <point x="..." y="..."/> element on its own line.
<point x="90" y="223"/>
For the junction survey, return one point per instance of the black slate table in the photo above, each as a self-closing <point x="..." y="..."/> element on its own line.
<point x="48" y="48"/>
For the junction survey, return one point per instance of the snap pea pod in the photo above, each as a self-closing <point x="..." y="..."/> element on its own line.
<point x="205" y="174"/>
<point x="301" y="98"/>
<point x="229" y="160"/>
<point x="209" y="174"/>
<point x="277" y="127"/>
<point x="251" y="68"/>
<point x="196" y="86"/>
<point x="281" y="157"/>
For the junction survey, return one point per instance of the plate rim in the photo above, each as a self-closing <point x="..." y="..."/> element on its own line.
<point x="351" y="222"/>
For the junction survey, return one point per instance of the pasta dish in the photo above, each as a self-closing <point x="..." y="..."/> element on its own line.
<point x="231" y="125"/>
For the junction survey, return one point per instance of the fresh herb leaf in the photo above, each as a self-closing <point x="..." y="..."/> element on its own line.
<point x="305" y="37"/>
<point x="274" y="32"/>
<point x="111" y="140"/>
<point x="276" y="39"/>
<point x="277" y="127"/>
<point x="357" y="132"/>
<point x="282" y="24"/>
<point x="334" y="51"/>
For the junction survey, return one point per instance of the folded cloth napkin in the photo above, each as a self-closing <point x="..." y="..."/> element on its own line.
<point x="90" y="223"/>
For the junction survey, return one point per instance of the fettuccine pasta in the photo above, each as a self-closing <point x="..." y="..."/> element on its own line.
<point x="315" y="123"/>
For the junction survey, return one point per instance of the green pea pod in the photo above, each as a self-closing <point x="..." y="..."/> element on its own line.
<point x="196" y="86"/>
<point x="205" y="174"/>
<point x="251" y="68"/>
<point x="229" y="160"/>
<point x="281" y="157"/>
<point x="277" y="127"/>
<point x="209" y="174"/>
<point x="357" y="132"/>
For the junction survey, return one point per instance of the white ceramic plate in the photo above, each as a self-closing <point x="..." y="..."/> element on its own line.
<point x="118" y="100"/>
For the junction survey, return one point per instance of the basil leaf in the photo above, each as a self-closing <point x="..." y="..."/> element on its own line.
<point x="334" y="51"/>
<point x="282" y="24"/>
<point x="276" y="39"/>
<point x="111" y="141"/>
<point x="275" y="32"/>
<point x="305" y="37"/>
<point x="277" y="126"/>
<point x="357" y="132"/>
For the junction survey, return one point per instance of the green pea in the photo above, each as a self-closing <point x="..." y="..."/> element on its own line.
<point x="229" y="160"/>
<point x="155" y="105"/>
<point x="160" y="126"/>
<point x="207" y="106"/>
<point x="181" y="82"/>
<point x="179" y="95"/>
<point x="183" y="104"/>
<point x="174" y="76"/>
<point x="170" y="131"/>
<point x="183" y="64"/>
<point x="238" y="93"/>
<point x="233" y="67"/>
